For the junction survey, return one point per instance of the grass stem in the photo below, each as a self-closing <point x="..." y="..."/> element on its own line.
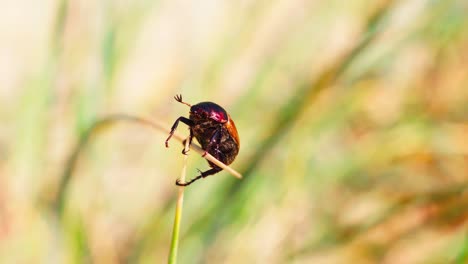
<point x="178" y="212"/>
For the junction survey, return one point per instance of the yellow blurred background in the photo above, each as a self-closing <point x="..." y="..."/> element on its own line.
<point x="352" y="115"/>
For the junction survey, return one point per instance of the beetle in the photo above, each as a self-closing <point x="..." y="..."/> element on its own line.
<point x="214" y="129"/>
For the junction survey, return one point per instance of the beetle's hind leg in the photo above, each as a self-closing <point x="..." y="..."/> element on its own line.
<point x="203" y="174"/>
<point x="178" y="98"/>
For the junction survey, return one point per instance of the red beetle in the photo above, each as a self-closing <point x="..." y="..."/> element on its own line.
<point x="214" y="129"/>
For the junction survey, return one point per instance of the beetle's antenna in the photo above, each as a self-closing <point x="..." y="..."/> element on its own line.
<point x="178" y="98"/>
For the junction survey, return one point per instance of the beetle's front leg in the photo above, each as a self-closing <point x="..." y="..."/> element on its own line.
<point x="182" y="119"/>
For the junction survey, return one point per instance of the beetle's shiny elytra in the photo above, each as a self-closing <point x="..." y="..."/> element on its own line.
<point x="214" y="129"/>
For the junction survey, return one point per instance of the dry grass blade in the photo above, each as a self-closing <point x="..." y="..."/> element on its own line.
<point x="58" y="202"/>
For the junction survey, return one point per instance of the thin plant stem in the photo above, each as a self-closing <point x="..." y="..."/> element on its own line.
<point x="59" y="201"/>
<point x="178" y="211"/>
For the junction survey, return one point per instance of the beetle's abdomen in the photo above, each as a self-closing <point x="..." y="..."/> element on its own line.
<point x="226" y="152"/>
<point x="217" y="140"/>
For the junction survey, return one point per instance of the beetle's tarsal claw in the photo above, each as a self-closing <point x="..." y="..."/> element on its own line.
<point x="178" y="183"/>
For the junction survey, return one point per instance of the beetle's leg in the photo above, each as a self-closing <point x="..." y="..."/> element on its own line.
<point x="202" y="175"/>
<point x="178" y="98"/>
<point x="190" y="142"/>
<point x="182" y="119"/>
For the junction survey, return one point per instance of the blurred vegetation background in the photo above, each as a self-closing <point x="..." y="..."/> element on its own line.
<point x="353" y="119"/>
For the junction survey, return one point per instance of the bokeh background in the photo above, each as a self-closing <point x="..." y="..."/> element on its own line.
<point x="353" y="119"/>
